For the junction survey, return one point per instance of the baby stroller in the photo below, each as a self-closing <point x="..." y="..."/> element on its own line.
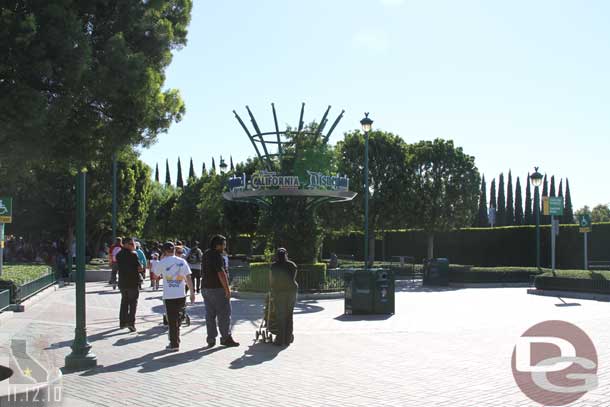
<point x="185" y="320"/>
<point x="268" y="326"/>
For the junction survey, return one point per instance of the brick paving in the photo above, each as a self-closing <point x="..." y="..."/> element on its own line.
<point x="446" y="347"/>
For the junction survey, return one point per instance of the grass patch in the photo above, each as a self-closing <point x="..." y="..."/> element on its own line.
<point x="24" y="273"/>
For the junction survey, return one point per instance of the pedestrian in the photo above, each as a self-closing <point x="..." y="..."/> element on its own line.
<point x="284" y="289"/>
<point x="142" y="260"/>
<point x="154" y="278"/>
<point x="114" y="250"/>
<point x="194" y="260"/>
<point x="216" y="293"/>
<point x="177" y="276"/>
<point x="129" y="283"/>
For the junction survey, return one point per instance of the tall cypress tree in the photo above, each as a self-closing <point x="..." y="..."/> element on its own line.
<point x="518" y="204"/>
<point x="179" y="181"/>
<point x="501" y="217"/>
<point x="492" y="195"/>
<point x="213" y="171"/>
<point x="528" y="218"/>
<point x="232" y="166"/>
<point x="157" y="172"/>
<point x="560" y="193"/>
<point x="203" y="170"/>
<point x="568" y="212"/>
<point x="544" y="219"/>
<point x="510" y="204"/>
<point x="552" y="192"/>
<point x="192" y="170"/>
<point x="168" y="180"/>
<point x="482" y="220"/>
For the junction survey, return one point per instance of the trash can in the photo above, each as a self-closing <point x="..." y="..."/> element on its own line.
<point x="436" y="272"/>
<point x="383" y="296"/>
<point x="369" y="291"/>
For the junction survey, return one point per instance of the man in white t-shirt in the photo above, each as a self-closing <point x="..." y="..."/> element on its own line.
<point x="176" y="277"/>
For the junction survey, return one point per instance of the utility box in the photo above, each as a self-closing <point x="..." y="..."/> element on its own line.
<point x="383" y="296"/>
<point x="436" y="272"/>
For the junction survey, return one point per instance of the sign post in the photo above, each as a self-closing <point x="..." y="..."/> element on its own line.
<point x="6" y="216"/>
<point x="584" y="221"/>
<point x="553" y="206"/>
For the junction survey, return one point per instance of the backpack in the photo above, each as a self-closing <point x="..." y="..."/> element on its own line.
<point x="194" y="256"/>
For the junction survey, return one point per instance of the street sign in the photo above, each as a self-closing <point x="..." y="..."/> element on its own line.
<point x="556" y="205"/>
<point x="584" y="222"/>
<point x="6" y="210"/>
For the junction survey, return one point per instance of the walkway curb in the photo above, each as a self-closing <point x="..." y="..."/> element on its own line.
<point x="489" y="285"/>
<point x="29" y="302"/>
<point x="244" y="295"/>
<point x="570" y="294"/>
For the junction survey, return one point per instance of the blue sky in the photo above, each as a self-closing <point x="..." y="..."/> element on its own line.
<point x="516" y="84"/>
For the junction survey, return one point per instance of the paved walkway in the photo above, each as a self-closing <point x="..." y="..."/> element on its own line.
<point x="448" y="347"/>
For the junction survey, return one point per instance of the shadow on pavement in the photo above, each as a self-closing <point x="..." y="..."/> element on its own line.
<point x="567" y="304"/>
<point x="417" y="287"/>
<point x="152" y="362"/>
<point x="256" y="354"/>
<point x="353" y="318"/>
<point x="91" y="338"/>
<point x="142" y="336"/>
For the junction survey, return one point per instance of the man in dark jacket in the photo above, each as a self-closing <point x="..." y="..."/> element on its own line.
<point x="129" y="284"/>
<point x="217" y="293"/>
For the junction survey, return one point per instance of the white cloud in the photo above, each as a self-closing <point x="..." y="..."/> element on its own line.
<point x="392" y="3"/>
<point x="374" y="40"/>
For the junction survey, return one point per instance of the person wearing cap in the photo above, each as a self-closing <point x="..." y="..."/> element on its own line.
<point x="217" y="293"/>
<point x="176" y="277"/>
<point x="142" y="260"/>
<point x="284" y="289"/>
<point x="129" y="283"/>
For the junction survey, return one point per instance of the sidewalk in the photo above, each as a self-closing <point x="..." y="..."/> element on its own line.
<point x="446" y="347"/>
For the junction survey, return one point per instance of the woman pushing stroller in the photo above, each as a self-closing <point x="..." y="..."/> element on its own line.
<point x="284" y="289"/>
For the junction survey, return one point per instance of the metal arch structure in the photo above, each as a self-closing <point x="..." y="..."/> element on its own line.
<point x="263" y="142"/>
<point x="271" y="144"/>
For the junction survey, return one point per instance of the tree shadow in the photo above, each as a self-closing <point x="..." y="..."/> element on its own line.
<point x="256" y="354"/>
<point x="90" y="338"/>
<point x="567" y="304"/>
<point x="140" y="336"/>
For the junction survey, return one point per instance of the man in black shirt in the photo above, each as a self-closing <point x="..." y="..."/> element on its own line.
<point x="129" y="284"/>
<point x="216" y="293"/>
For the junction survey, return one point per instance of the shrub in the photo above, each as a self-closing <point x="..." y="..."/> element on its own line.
<point x="575" y="280"/>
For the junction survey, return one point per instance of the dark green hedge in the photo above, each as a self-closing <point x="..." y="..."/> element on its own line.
<point x="504" y="246"/>
<point x="309" y="277"/>
<point x="492" y="274"/>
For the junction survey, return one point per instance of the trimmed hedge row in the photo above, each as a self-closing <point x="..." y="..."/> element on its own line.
<point x="503" y="246"/>
<point x="309" y="277"/>
<point x="575" y="280"/>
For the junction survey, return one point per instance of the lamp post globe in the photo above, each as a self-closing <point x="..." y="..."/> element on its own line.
<point x="366" y="124"/>
<point x="536" y="178"/>
<point x="223" y="165"/>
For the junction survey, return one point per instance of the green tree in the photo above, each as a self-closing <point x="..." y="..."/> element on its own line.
<point x="544" y="219"/>
<point x="232" y="166"/>
<point x="510" y="204"/>
<point x="445" y="187"/>
<point x="552" y="191"/>
<point x="528" y="217"/>
<point x="203" y="170"/>
<point x="518" y="204"/>
<point x="86" y="77"/>
<point x="501" y="216"/>
<point x="482" y="218"/>
<point x="388" y="179"/>
<point x="585" y="210"/>
<point x="493" y="203"/>
<point x="168" y="179"/>
<point x="179" y="180"/>
<point x="157" y="172"/>
<point x="191" y="170"/>
<point x="568" y="214"/>
<point x="600" y="213"/>
<point x="213" y="170"/>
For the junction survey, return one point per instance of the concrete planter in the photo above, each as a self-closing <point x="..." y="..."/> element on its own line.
<point x="92" y="276"/>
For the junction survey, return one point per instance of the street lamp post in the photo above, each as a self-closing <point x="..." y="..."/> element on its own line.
<point x="114" y="197"/>
<point x="536" y="179"/>
<point x="223" y="165"/>
<point x="366" y="124"/>
<point x="81" y="357"/>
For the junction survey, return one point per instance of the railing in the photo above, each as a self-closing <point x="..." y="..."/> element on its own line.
<point x="241" y="279"/>
<point x="5" y="299"/>
<point x="27" y="290"/>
